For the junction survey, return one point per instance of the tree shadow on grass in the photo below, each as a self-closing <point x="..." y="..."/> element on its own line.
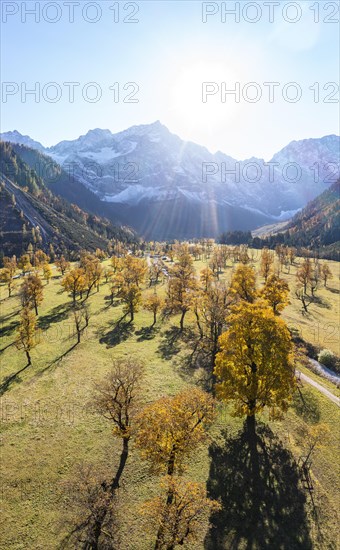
<point x="321" y="302"/>
<point x="121" y="332"/>
<point x="6" y="347"/>
<point x="58" y="359"/>
<point x="198" y="363"/>
<point x="146" y="333"/>
<point x="258" y="486"/>
<point x="8" y="329"/>
<point x="59" y="313"/>
<point x="109" y="303"/>
<point x="4" y="318"/>
<point x="170" y="344"/>
<point x="174" y="340"/>
<point x="11" y="379"/>
<point x="334" y="290"/>
<point x="94" y="508"/>
<point x="15" y="378"/>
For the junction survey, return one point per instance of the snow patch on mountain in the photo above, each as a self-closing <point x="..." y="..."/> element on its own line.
<point x="134" y="194"/>
<point x="286" y="215"/>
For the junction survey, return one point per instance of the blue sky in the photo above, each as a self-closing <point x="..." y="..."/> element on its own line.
<point x="169" y="53"/>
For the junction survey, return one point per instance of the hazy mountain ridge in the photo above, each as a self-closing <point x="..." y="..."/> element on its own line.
<point x="150" y="178"/>
<point x="16" y="137"/>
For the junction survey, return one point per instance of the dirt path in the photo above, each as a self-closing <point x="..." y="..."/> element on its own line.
<point x="301" y="376"/>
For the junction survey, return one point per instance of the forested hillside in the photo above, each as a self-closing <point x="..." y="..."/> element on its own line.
<point x="62" y="182"/>
<point x="318" y="223"/>
<point x="30" y="213"/>
<point x="314" y="228"/>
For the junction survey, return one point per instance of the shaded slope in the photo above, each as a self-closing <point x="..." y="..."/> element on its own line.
<point x="27" y="203"/>
<point x="319" y="222"/>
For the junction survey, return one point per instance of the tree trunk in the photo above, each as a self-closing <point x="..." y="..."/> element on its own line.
<point x="182" y="321"/>
<point x="251" y="426"/>
<point x="199" y="324"/>
<point x="29" y="361"/>
<point x="154" y="318"/>
<point x="36" y="307"/>
<point x="171" y="463"/>
<point x="255" y="478"/>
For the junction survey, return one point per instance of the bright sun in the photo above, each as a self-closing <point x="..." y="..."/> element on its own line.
<point x="187" y="98"/>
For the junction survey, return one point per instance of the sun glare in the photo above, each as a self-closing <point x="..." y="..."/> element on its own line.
<point x="187" y="93"/>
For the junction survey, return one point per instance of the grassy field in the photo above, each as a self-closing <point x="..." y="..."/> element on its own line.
<point x="48" y="431"/>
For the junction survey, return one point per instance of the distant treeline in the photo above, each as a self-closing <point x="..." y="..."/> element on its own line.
<point x="326" y="250"/>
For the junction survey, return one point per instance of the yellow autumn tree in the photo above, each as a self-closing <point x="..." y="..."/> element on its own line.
<point x="243" y="283"/>
<point x="276" y="292"/>
<point x="93" y="271"/>
<point x="326" y="273"/>
<point x="254" y="367"/>
<point x="134" y="270"/>
<point x="131" y="296"/>
<point x="116" y="263"/>
<point x="62" y="265"/>
<point x="206" y="278"/>
<point x="24" y="263"/>
<point x="8" y="272"/>
<point x="116" y="284"/>
<point x="153" y="303"/>
<point x="304" y="274"/>
<point x="180" y="520"/>
<point x="26" y="332"/>
<point x="7" y="279"/>
<point x="74" y="282"/>
<point x="10" y="264"/>
<point x="267" y="260"/>
<point x="31" y="292"/>
<point x="172" y="427"/>
<point x="181" y="285"/>
<point x="47" y="271"/>
<point x="40" y="258"/>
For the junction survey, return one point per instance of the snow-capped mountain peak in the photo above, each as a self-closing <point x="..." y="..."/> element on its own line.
<point x="146" y="167"/>
<point x="16" y="137"/>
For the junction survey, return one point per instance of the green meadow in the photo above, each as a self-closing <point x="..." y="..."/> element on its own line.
<point x="50" y="433"/>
